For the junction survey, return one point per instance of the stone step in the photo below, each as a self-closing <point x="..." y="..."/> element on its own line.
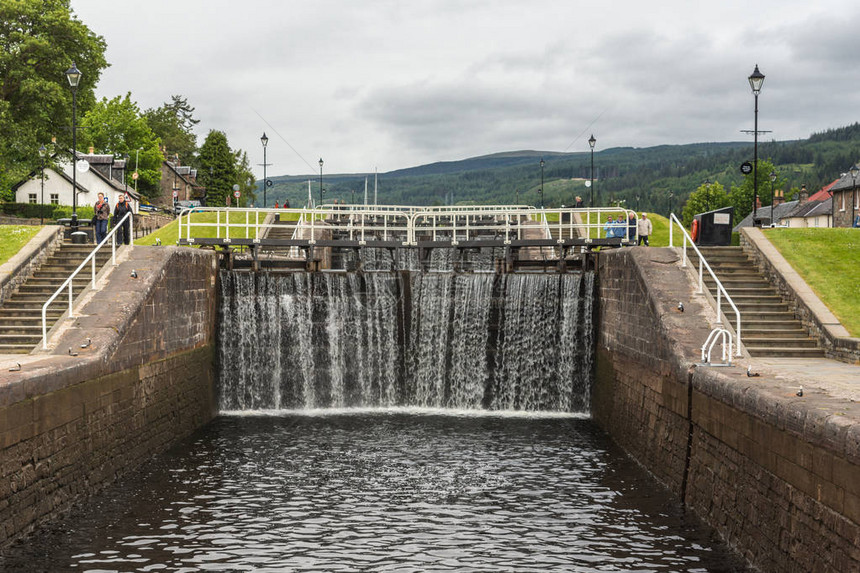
<point x="25" y="322"/>
<point x="746" y="292"/>
<point x="780" y="342"/>
<point x="761" y="352"/>
<point x="790" y="331"/>
<point x="20" y="338"/>
<point x="737" y="283"/>
<point x="34" y="304"/>
<point x="768" y="297"/>
<point x="756" y="307"/>
<point x="16" y="348"/>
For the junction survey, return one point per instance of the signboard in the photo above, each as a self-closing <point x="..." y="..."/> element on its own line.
<point x="175" y="194"/>
<point x="134" y="175"/>
<point x="237" y="194"/>
<point x="269" y="183"/>
<point x="722" y="218"/>
<point x="746" y="168"/>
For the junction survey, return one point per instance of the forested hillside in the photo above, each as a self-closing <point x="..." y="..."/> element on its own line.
<point x="647" y="179"/>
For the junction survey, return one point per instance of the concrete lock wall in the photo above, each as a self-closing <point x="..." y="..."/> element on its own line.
<point x="72" y="424"/>
<point x="777" y="475"/>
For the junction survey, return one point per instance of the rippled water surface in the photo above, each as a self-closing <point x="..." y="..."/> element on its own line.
<point x="381" y="492"/>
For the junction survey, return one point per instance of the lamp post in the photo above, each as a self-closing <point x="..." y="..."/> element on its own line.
<point x="854" y="171"/>
<point x="591" y="142"/>
<point x="708" y="194"/>
<point x="671" y="196"/>
<point x="265" y="141"/>
<point x="321" y="189"/>
<point x="756" y="80"/>
<point x="73" y="74"/>
<point x="136" y="176"/>
<point x="42" y="152"/>
<point x="541" y="182"/>
<point x="175" y="185"/>
<point x="772" y="181"/>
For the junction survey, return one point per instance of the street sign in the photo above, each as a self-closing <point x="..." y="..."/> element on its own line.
<point x="134" y="175"/>
<point x="176" y="194"/>
<point x="746" y="168"/>
<point x="237" y="194"/>
<point x="269" y="183"/>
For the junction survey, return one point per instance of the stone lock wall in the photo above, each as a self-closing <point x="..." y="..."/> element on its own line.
<point x="71" y="424"/>
<point x="776" y="475"/>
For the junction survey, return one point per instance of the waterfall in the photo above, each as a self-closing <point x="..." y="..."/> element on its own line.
<point x="405" y="338"/>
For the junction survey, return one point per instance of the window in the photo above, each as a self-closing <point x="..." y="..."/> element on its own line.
<point x="842" y="202"/>
<point x="32" y="198"/>
<point x="55" y="198"/>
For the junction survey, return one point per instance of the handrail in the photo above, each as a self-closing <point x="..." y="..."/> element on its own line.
<point x="703" y="264"/>
<point x="69" y="282"/>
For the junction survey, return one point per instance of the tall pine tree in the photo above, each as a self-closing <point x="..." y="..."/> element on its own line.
<point x="217" y="168"/>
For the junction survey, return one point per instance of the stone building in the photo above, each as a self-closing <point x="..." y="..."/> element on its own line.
<point x="846" y="201"/>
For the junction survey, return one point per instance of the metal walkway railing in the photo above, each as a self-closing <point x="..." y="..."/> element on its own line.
<point x="407" y="226"/>
<point x="91" y="258"/>
<point x="703" y="265"/>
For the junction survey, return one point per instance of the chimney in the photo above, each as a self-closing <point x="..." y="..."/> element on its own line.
<point x="778" y="197"/>
<point x="758" y="202"/>
<point x="804" y="194"/>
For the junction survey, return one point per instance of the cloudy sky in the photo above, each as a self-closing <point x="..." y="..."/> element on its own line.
<point x="397" y="83"/>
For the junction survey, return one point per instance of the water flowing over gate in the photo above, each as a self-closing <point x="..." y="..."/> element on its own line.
<point x="381" y="339"/>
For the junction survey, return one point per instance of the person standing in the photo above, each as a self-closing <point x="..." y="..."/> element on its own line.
<point x="631" y="228"/>
<point x="579" y="203"/>
<point x="645" y="229"/>
<point x="102" y="210"/>
<point x="123" y="234"/>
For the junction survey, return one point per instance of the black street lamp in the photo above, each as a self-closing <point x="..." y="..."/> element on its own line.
<point x="541" y="182"/>
<point x="321" y="189"/>
<point x="671" y="210"/>
<point x="265" y="141"/>
<point x="42" y="152"/>
<point x="756" y="80"/>
<point x="73" y="74"/>
<point x="708" y="194"/>
<point x="591" y="142"/>
<point x="772" y="181"/>
<point x="854" y="171"/>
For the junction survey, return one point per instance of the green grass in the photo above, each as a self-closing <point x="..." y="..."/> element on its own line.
<point x="169" y="233"/>
<point x="829" y="261"/>
<point x="14" y="237"/>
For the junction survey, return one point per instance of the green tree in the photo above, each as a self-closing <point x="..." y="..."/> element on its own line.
<point x="116" y="126"/>
<point x="246" y="180"/>
<point x="707" y="197"/>
<point x="742" y="195"/>
<point x="39" y="41"/>
<point x="174" y="123"/>
<point x="217" y="168"/>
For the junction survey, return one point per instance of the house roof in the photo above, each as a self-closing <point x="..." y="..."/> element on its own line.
<point x="845" y="183"/>
<point x="825" y="192"/>
<point x="779" y="212"/>
<point x="812" y="209"/>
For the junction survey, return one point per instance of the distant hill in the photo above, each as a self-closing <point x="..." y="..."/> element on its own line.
<point x="651" y="178"/>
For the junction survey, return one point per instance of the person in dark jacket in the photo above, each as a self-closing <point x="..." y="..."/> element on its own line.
<point x="123" y="234"/>
<point x="631" y="228"/>
<point x="102" y="210"/>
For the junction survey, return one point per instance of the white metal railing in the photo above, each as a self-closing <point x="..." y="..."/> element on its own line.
<point x="91" y="258"/>
<point x="716" y="334"/>
<point x="703" y="265"/>
<point x="407" y="224"/>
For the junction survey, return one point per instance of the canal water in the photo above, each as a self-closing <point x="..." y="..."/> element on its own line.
<point x="382" y="490"/>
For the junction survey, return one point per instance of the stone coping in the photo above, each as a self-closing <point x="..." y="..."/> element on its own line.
<point x="832" y="422"/>
<point x="104" y="319"/>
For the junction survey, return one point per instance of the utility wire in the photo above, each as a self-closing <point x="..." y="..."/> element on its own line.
<point x="584" y="131"/>
<point x="275" y="131"/>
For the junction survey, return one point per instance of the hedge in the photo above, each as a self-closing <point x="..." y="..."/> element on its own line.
<point x="37" y="211"/>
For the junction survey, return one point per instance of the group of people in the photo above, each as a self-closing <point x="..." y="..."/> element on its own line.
<point x="103" y="215"/>
<point x="619" y="228"/>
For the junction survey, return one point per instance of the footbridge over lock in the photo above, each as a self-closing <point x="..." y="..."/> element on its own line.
<point x="503" y="238"/>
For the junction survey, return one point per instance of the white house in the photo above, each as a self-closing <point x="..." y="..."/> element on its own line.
<point x="100" y="174"/>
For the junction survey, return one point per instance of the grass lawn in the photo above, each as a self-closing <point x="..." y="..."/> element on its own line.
<point x="169" y="233"/>
<point x="14" y="237"/>
<point x="829" y="261"/>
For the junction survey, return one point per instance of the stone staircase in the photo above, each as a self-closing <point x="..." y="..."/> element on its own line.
<point x="768" y="325"/>
<point x="21" y="314"/>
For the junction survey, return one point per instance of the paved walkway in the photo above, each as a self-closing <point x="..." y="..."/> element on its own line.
<point x="834" y="378"/>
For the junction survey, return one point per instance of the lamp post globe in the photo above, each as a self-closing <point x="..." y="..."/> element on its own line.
<point x="265" y="141"/>
<point x="73" y="74"/>
<point x="756" y="80"/>
<point x="591" y="142"/>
